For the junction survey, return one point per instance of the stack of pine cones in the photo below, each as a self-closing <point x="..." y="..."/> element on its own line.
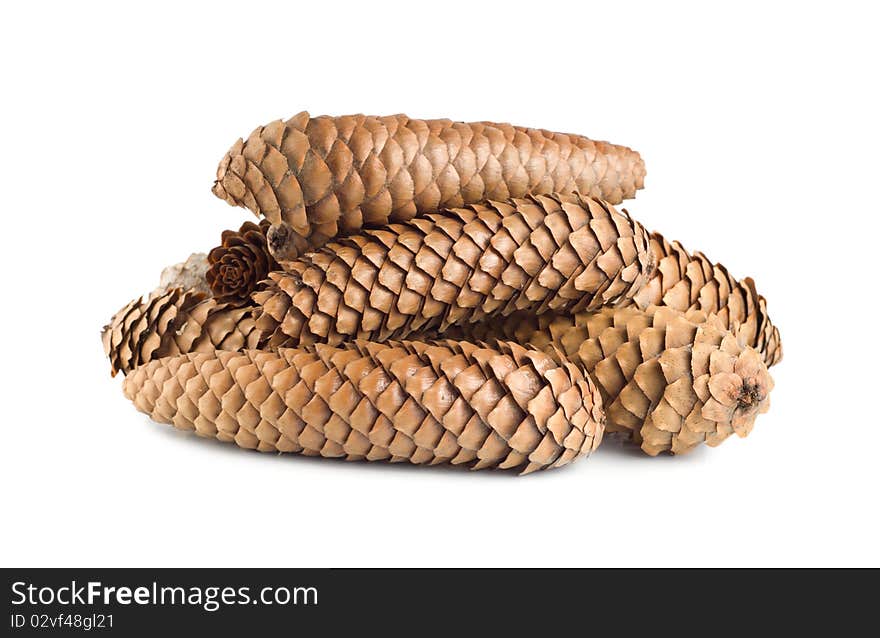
<point x="439" y="292"/>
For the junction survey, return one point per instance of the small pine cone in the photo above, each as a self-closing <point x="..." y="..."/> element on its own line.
<point x="447" y="402"/>
<point x="561" y="253"/>
<point x="669" y="380"/>
<point x="240" y="263"/>
<point x="171" y="322"/>
<point x="319" y="176"/>
<point x="685" y="281"/>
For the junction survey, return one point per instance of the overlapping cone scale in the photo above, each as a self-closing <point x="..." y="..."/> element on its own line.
<point x="424" y="403"/>
<point x="326" y="175"/>
<point x="176" y="321"/>
<point x="558" y="253"/>
<point x="240" y="263"/>
<point x="669" y="380"/>
<point x="690" y="281"/>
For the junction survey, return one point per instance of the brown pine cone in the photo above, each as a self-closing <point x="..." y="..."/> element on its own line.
<point x="317" y="177"/>
<point x="240" y="263"/>
<point x="671" y="381"/>
<point x="171" y="322"/>
<point x="462" y="265"/>
<point x="690" y="281"/>
<point x="425" y="403"/>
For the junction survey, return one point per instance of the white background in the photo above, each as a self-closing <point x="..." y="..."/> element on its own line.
<point x="759" y="127"/>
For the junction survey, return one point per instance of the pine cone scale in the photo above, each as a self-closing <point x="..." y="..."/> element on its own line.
<point x="688" y="282"/>
<point x="669" y="381"/>
<point x="174" y="322"/>
<point x="324" y="174"/>
<point x="240" y="264"/>
<point x="424" y="403"/>
<point x="428" y="274"/>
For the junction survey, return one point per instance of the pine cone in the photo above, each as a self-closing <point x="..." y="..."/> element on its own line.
<point x="240" y="263"/>
<point x="690" y="282"/>
<point x="325" y="175"/>
<point x="670" y="344"/>
<point x="173" y="322"/>
<point x="505" y="407"/>
<point x="562" y="253"/>
<point x="669" y="380"/>
<point x="685" y="281"/>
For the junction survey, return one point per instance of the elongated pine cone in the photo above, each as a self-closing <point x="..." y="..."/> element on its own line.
<point x="325" y="175"/>
<point x="174" y="322"/>
<point x="448" y="402"/>
<point x="685" y="281"/>
<point x="671" y="381"/>
<point x="240" y="263"/>
<point x="562" y="253"/>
